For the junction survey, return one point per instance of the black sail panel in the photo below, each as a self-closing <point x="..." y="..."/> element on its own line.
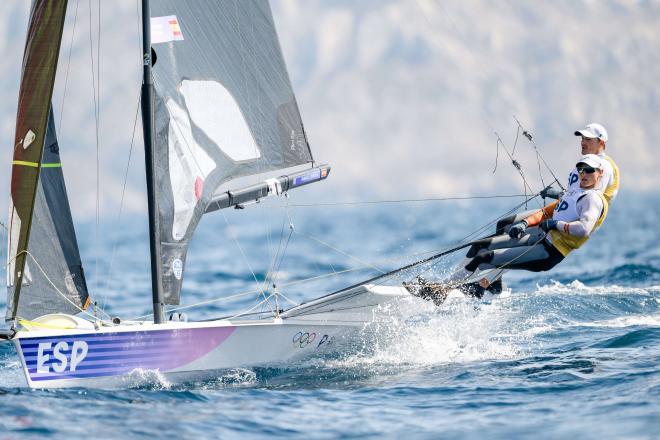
<point x="44" y="274"/>
<point x="225" y="108"/>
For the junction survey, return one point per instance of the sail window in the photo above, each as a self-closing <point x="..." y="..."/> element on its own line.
<point x="215" y="111"/>
<point x="29" y="138"/>
<point x="189" y="165"/>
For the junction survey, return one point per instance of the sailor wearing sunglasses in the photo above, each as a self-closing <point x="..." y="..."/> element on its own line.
<point x="563" y="226"/>
<point x="593" y="140"/>
<point x="579" y="212"/>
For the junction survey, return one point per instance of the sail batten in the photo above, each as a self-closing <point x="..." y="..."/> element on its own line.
<point x="225" y="109"/>
<point x="44" y="271"/>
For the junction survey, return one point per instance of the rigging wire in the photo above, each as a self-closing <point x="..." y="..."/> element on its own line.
<point x="52" y="284"/>
<point x="121" y="202"/>
<point x="274" y="259"/>
<point x="245" y="260"/>
<point x="276" y="272"/>
<point x="465" y="240"/>
<point x="128" y="165"/>
<point x="375" y="202"/>
<point x="68" y="65"/>
<point x="3" y="239"/>
<point x="334" y="248"/>
<point x="529" y="137"/>
<point x="96" y="78"/>
<point x="517" y="166"/>
<point x="365" y="265"/>
<point x="482" y="107"/>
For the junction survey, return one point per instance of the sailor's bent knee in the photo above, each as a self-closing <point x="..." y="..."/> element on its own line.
<point x="478" y="246"/>
<point x="481" y="258"/>
<point x="502" y="224"/>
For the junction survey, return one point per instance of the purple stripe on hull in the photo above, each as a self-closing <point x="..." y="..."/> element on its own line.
<point x="105" y="337"/>
<point x="79" y="356"/>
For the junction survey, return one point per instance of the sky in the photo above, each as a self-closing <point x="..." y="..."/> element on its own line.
<point x="404" y="98"/>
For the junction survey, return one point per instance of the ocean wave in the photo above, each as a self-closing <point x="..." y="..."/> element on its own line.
<point x="637" y="338"/>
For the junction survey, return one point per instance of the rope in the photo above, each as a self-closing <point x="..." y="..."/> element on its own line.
<point x="121" y="202"/>
<point x="97" y="97"/>
<point x="539" y="155"/>
<point x="374" y="202"/>
<point x="335" y="273"/>
<point x="480" y="230"/>
<point x="254" y="276"/>
<point x="202" y="303"/>
<point x="4" y="239"/>
<point x="286" y="246"/>
<point x="484" y="113"/>
<point x="486" y="226"/>
<point x="311" y="237"/>
<point x="501" y="268"/>
<point x="68" y="64"/>
<point x="260" y="303"/>
<point x="52" y="284"/>
<point x="273" y="261"/>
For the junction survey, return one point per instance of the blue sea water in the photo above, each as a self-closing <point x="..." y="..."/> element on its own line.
<point x="573" y="353"/>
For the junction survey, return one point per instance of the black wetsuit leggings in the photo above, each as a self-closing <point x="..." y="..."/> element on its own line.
<point x="531" y="252"/>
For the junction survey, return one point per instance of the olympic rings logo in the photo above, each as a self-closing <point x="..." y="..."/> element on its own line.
<point x="303" y="339"/>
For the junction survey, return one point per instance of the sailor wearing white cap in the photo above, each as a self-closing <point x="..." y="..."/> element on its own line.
<point x="593" y="140"/>
<point x="569" y="223"/>
<point x="563" y="227"/>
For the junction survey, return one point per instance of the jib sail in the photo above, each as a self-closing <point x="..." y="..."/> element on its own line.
<point x="44" y="271"/>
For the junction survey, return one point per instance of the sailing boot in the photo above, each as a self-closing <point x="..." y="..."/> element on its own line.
<point x="497" y="286"/>
<point x="421" y="288"/>
<point x="475" y="290"/>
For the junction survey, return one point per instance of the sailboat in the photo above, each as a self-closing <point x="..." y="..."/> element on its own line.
<point x="217" y="105"/>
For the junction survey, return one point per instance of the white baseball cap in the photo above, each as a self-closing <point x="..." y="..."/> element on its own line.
<point x="592" y="160"/>
<point x="593" y="130"/>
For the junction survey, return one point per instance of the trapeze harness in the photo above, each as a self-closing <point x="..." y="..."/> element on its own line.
<point x="579" y="212"/>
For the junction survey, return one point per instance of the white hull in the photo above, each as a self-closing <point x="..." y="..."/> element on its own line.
<point x="126" y="354"/>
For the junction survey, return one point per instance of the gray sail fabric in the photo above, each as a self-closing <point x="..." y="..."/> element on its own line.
<point x="44" y="274"/>
<point x="54" y="281"/>
<point x="224" y="108"/>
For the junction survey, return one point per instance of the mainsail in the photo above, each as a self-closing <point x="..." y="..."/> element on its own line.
<point x="44" y="274"/>
<point x="224" y="108"/>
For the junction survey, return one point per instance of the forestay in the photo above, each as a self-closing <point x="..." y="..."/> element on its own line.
<point x="44" y="274"/>
<point x="224" y="109"/>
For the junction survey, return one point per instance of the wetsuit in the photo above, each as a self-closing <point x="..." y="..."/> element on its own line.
<point x="579" y="212"/>
<point x="608" y="185"/>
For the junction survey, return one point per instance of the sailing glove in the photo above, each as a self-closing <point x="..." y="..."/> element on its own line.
<point x="548" y="225"/>
<point x="518" y="230"/>
<point x="551" y="193"/>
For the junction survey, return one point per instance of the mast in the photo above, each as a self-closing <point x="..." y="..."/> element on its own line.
<point x="149" y="159"/>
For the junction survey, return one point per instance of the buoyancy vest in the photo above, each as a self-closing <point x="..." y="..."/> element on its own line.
<point x="566" y="211"/>
<point x="612" y="189"/>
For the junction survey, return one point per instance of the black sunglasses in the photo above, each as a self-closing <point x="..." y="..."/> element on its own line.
<point x="588" y="170"/>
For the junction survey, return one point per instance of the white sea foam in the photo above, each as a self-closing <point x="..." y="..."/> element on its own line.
<point x="577" y="288"/>
<point x="416" y="332"/>
<point x="237" y="377"/>
<point x="140" y="377"/>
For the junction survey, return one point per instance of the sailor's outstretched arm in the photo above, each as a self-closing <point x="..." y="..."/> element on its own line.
<point x="544" y="213"/>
